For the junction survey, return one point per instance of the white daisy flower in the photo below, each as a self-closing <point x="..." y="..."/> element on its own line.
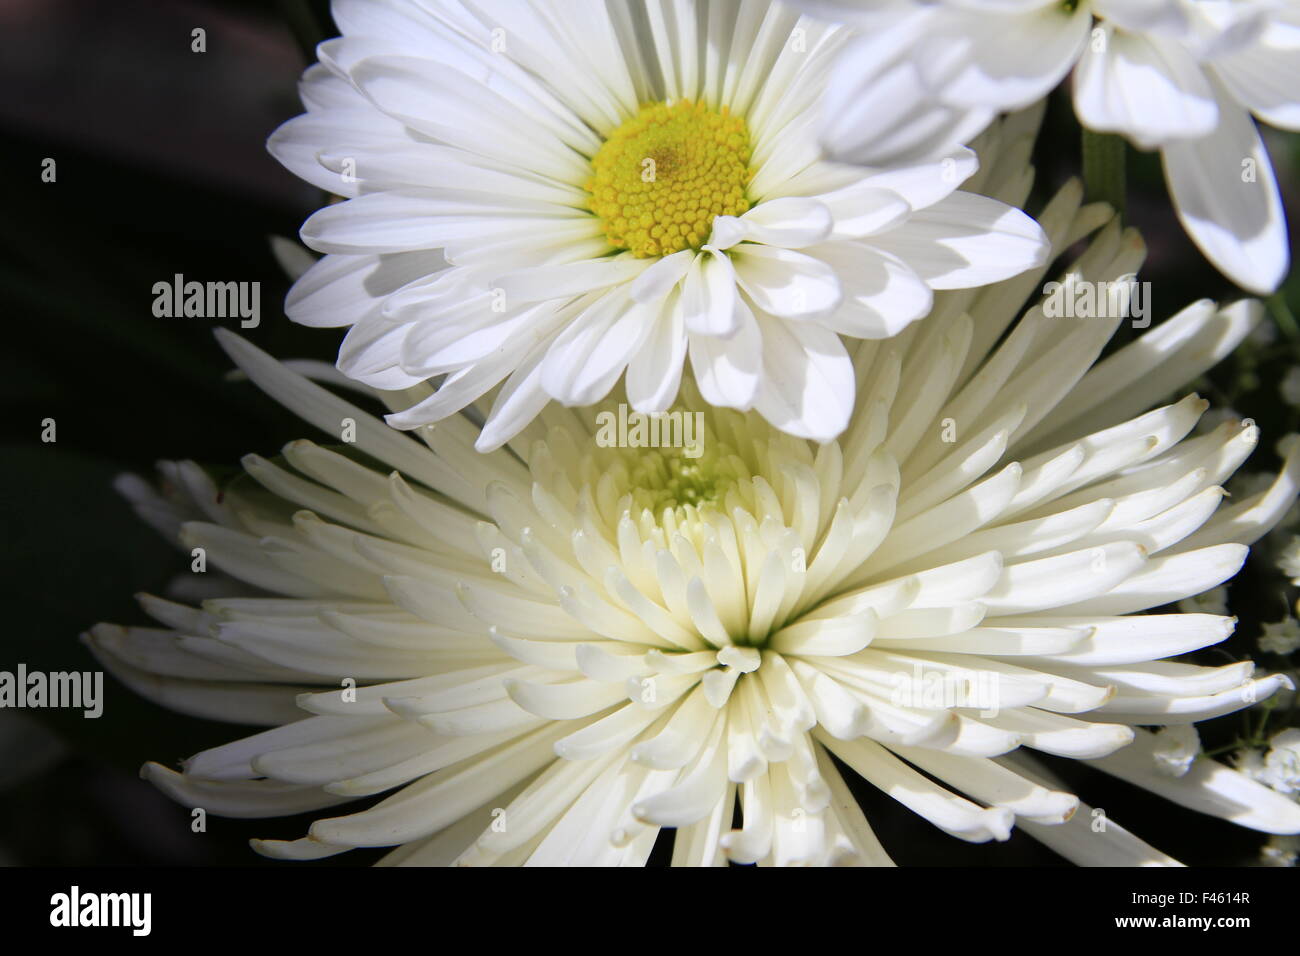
<point x="1181" y="76"/>
<point x="553" y="652"/>
<point x="555" y="196"/>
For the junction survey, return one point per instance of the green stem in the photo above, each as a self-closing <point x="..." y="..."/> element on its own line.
<point x="1219" y="751"/>
<point x="1104" y="156"/>
<point x="1283" y="315"/>
<point x="1266" y="708"/>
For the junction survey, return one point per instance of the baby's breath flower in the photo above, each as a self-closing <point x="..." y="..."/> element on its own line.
<point x="1263" y="335"/>
<point x="1289" y="559"/>
<point x="1249" y="761"/>
<point x="1176" y="748"/>
<point x="1289" y="387"/>
<point x="1213" y="601"/>
<point x="1282" y="762"/>
<point x="1281" y="637"/>
<point x="1280" y="850"/>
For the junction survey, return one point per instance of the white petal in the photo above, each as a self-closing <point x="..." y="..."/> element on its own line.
<point x="709" y="297"/>
<point x="966" y="240"/>
<point x="1260" y="75"/>
<point x="655" y="372"/>
<point x="1227" y="199"/>
<point x="728" y="371"/>
<point x="1208" y="786"/>
<point x="1149" y="89"/>
<point x="786" y="283"/>
<point x="879" y="111"/>
<point x="791" y="222"/>
<point x="808" y="385"/>
<point x="1004" y="61"/>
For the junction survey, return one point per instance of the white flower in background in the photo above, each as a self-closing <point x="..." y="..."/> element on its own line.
<point x="1213" y="601"/>
<point x="1280" y="851"/>
<point x="1281" y="637"/>
<point x="1289" y="387"/>
<point x="1249" y="761"/>
<point x="880" y="106"/>
<point x="1216" y="416"/>
<point x="1282" y="762"/>
<point x="553" y="197"/>
<point x="1175" y="749"/>
<point x="549" y="653"/>
<point x="1247" y="483"/>
<point x="1181" y="76"/>
<point x="1265" y="334"/>
<point x="1277" y="768"/>
<point x="1289" y="561"/>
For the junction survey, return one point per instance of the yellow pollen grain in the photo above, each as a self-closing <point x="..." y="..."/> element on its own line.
<point x="662" y="177"/>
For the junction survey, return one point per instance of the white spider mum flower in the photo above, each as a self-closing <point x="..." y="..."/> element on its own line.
<point x="555" y="195"/>
<point x="1181" y="76"/>
<point x="549" y="653"/>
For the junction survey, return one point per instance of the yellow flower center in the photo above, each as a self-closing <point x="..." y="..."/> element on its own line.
<point x="659" y="180"/>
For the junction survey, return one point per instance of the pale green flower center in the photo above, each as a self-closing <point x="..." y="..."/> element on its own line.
<point x="670" y="478"/>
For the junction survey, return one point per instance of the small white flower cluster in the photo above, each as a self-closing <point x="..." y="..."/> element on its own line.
<point x="1176" y="748"/>
<point x="1289" y="560"/>
<point x="1213" y="601"/>
<point x="1277" y="767"/>
<point x="1281" y="637"/>
<point x="1282" y="850"/>
<point x="1289" y="387"/>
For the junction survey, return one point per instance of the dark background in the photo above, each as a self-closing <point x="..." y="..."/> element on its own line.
<point x="161" y="168"/>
